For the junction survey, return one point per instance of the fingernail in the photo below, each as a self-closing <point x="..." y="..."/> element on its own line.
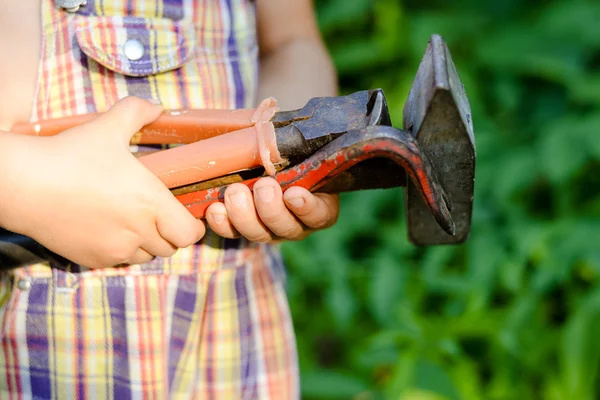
<point x="266" y="193"/>
<point x="238" y="199"/>
<point x="296" y="202"/>
<point x="154" y="101"/>
<point x="218" y="217"/>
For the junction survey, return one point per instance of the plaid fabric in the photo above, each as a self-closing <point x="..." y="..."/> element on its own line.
<point x="210" y="322"/>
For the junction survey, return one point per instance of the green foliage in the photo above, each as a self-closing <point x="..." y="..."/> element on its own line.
<point x="514" y="312"/>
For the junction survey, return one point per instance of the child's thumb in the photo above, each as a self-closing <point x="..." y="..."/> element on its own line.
<point x="128" y="116"/>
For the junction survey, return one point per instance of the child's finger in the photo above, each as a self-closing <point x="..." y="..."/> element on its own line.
<point x="158" y="246"/>
<point x="175" y="223"/>
<point x="272" y="211"/>
<point x="317" y="211"/>
<point x="127" y="117"/>
<point x="242" y="214"/>
<point x="216" y="216"/>
<point x="141" y="256"/>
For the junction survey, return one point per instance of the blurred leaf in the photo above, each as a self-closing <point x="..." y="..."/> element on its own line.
<point x="511" y="274"/>
<point x="519" y="49"/>
<point x="466" y="377"/>
<point x="364" y="54"/>
<point x="359" y="211"/>
<point x="332" y="385"/>
<point x="507" y="93"/>
<point x="580" y="350"/>
<point x="573" y="22"/>
<point x="376" y="355"/>
<point x="518" y="170"/>
<point x="529" y="239"/>
<point x="391" y="27"/>
<point x="419" y="394"/>
<point x="341" y="303"/>
<point x="386" y="286"/>
<point x="455" y="27"/>
<point x="589" y="129"/>
<point x="433" y="378"/>
<point x="298" y="255"/>
<point x="433" y="264"/>
<point x="333" y="14"/>
<point x="562" y="152"/>
<point x="586" y="89"/>
<point x="403" y="373"/>
<point x="520" y="315"/>
<point x="486" y="251"/>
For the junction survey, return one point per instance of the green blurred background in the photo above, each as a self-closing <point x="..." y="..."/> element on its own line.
<point x="515" y="312"/>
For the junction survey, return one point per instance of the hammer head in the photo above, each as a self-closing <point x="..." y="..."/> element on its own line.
<point x="438" y="115"/>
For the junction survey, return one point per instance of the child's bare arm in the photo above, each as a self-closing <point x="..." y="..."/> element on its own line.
<point x="295" y="66"/>
<point x="83" y="195"/>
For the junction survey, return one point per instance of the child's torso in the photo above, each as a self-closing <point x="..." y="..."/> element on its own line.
<point x="211" y="321"/>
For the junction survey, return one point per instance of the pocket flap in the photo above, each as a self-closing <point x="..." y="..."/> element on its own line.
<point x="135" y="46"/>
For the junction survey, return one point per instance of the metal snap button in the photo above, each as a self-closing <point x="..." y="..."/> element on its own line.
<point x="133" y="49"/>
<point x="24" y="284"/>
<point x="71" y="5"/>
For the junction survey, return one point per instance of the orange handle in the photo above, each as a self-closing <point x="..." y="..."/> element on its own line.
<point x="217" y="142"/>
<point x="172" y="127"/>
<point x="212" y="158"/>
<point x="242" y="149"/>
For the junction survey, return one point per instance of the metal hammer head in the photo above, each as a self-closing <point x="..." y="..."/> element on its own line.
<point x="438" y="115"/>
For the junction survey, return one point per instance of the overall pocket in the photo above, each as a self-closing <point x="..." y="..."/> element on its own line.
<point x="135" y="46"/>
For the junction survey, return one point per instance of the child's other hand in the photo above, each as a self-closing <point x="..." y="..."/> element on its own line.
<point x="83" y="194"/>
<point x="268" y="215"/>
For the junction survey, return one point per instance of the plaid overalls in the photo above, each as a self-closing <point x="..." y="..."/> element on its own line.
<point x="210" y="322"/>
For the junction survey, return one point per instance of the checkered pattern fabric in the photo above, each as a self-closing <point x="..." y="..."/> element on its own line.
<point x="210" y="322"/>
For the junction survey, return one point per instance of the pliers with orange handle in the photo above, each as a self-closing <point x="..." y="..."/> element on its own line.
<point x="332" y="144"/>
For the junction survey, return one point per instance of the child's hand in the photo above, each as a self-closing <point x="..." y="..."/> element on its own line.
<point x="268" y="215"/>
<point x="83" y="194"/>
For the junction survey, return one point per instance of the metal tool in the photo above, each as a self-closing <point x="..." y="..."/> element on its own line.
<point x="438" y="115"/>
<point x="346" y="143"/>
